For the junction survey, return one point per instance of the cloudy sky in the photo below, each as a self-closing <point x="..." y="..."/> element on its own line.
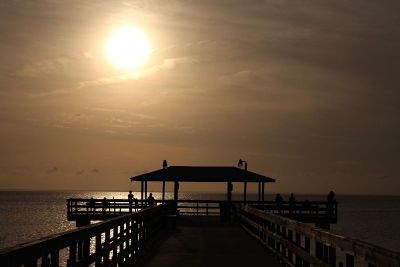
<point x="306" y="91"/>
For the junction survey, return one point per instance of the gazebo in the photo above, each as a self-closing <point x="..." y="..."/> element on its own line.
<point x="213" y="174"/>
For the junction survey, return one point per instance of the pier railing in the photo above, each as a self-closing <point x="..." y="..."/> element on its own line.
<point x="299" y="244"/>
<point x="114" y="242"/>
<point x="319" y="212"/>
<point x="100" y="209"/>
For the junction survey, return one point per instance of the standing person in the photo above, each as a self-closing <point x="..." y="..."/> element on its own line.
<point x="104" y="206"/>
<point x="150" y="200"/>
<point x="279" y="202"/>
<point x="136" y="204"/>
<point x="92" y="204"/>
<point x="292" y="203"/>
<point x="331" y="202"/>
<point x="130" y="200"/>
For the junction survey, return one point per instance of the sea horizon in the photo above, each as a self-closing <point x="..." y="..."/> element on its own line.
<point x="205" y="192"/>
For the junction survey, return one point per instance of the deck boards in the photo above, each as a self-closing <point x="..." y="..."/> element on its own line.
<point x="205" y="241"/>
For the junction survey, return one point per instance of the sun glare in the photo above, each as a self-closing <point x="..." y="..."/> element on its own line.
<point x="127" y="48"/>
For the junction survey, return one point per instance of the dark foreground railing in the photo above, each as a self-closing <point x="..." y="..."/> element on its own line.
<point x="299" y="244"/>
<point x="115" y="242"/>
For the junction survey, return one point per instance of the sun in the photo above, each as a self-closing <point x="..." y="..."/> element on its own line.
<point x="127" y="48"/>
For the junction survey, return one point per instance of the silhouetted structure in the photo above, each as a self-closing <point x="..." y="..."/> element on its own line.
<point x="104" y="204"/>
<point x="136" y="201"/>
<point x="130" y="200"/>
<point x="177" y="174"/>
<point x="240" y="165"/>
<point x="315" y="213"/>
<point x="292" y="203"/>
<point x="150" y="200"/>
<point x="331" y="202"/>
<point x="123" y="241"/>
<point x="92" y="205"/>
<point x="279" y="202"/>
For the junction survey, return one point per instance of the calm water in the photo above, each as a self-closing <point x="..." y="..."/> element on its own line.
<point x="25" y="216"/>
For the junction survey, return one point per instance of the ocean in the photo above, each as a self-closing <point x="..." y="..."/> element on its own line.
<point x="26" y="216"/>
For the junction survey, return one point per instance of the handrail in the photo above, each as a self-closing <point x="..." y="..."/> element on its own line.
<point x="300" y="210"/>
<point x="116" y="241"/>
<point x="300" y="244"/>
<point x="99" y="209"/>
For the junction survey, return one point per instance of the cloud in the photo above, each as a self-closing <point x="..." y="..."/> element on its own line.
<point x="94" y="171"/>
<point x="52" y="170"/>
<point x="42" y="68"/>
<point x="167" y="64"/>
<point x="80" y="172"/>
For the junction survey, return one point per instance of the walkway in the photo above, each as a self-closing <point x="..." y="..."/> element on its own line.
<point x="205" y="241"/>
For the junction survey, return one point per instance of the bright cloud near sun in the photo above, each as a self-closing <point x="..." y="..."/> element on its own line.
<point x="128" y="48"/>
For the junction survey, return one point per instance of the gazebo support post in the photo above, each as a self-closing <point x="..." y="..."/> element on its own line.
<point x="145" y="191"/>
<point x="163" y="191"/>
<point x="165" y="166"/>
<point x="262" y="193"/>
<point x="245" y="184"/>
<point x="141" y="191"/>
<point x="176" y="188"/>
<point x="229" y="191"/>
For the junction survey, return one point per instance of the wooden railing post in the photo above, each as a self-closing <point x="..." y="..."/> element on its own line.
<point x="115" y="243"/>
<point x="107" y="247"/>
<point x="45" y="261"/>
<point x="98" y="250"/>
<point x="332" y="256"/>
<point x="349" y="260"/>
<point x="72" y="255"/>
<point x="318" y="250"/>
<point x="290" y="239"/>
<point x="80" y="250"/>
<point x="86" y="252"/>
<point x="55" y="258"/>
<point x="120" y="257"/>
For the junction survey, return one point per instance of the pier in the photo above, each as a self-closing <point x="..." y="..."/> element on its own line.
<point x="317" y="212"/>
<point x="175" y="232"/>
<point x="153" y="236"/>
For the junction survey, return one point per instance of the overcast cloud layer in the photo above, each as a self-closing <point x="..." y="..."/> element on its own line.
<point x="305" y="91"/>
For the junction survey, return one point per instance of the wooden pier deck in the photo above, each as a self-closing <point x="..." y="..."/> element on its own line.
<point x="205" y="241"/>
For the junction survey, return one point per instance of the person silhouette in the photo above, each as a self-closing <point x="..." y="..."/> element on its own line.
<point x="104" y="206"/>
<point x="150" y="200"/>
<point x="136" y="203"/>
<point x="331" y="202"/>
<point x="292" y="203"/>
<point x="92" y="204"/>
<point x="130" y="200"/>
<point x="279" y="202"/>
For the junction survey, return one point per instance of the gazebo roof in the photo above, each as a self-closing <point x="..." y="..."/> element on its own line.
<point x="202" y="174"/>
